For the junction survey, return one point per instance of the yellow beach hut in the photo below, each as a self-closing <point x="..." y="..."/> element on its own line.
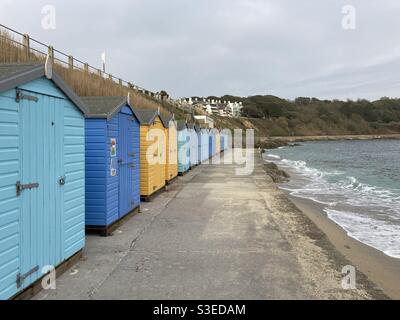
<point x="171" y="147"/>
<point x="152" y="153"/>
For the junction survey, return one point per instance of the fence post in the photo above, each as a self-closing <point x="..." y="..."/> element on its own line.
<point x="27" y="45"/>
<point x="86" y="67"/>
<point x="110" y="77"/>
<point x="71" y="62"/>
<point x="120" y="82"/>
<point x="51" y="53"/>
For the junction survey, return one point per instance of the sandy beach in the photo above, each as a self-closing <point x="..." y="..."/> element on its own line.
<point x="381" y="269"/>
<point x="320" y="259"/>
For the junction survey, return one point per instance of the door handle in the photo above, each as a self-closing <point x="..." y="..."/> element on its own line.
<point x="62" y="181"/>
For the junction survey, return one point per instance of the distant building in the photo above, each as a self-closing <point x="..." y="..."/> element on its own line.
<point x="205" y="120"/>
<point x="216" y="107"/>
<point x="235" y="108"/>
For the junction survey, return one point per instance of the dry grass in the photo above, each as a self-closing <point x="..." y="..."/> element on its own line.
<point x="84" y="84"/>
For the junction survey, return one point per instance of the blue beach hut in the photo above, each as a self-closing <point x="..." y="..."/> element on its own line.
<point x="211" y="143"/>
<point x="193" y="145"/>
<point x="204" y="144"/>
<point x="183" y="148"/>
<point x="197" y="128"/>
<point x="42" y="175"/>
<point x="224" y="141"/>
<point x="112" y="161"/>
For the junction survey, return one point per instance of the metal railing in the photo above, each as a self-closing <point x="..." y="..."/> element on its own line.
<point x="37" y="47"/>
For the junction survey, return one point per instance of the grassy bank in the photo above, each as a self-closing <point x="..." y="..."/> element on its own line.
<point x="83" y="83"/>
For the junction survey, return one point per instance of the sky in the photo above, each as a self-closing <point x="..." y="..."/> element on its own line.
<point x="323" y="49"/>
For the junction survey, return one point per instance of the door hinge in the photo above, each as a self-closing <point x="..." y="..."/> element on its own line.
<point x="20" y="96"/>
<point x="21" y="187"/>
<point x="22" y="277"/>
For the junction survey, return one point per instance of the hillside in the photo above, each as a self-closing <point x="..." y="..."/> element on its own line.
<point x="273" y="116"/>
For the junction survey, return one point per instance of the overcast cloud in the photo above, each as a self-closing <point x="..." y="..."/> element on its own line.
<point x="240" y="47"/>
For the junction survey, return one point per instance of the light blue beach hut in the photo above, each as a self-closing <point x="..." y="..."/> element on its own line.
<point x="204" y="144"/>
<point x="183" y="148"/>
<point x="211" y="143"/>
<point x="42" y="174"/>
<point x="193" y="145"/>
<point x="197" y="128"/>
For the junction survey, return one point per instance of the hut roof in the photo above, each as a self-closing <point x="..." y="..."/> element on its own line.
<point x="105" y="107"/>
<point x="15" y="74"/>
<point x="147" y="116"/>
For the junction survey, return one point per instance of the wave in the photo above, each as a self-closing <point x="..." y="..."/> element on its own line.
<point x="273" y="156"/>
<point x="378" y="234"/>
<point x="367" y="213"/>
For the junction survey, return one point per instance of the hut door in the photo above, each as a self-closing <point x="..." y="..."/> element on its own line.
<point x="126" y="164"/>
<point x="39" y="189"/>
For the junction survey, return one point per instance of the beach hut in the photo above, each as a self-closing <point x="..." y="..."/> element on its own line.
<point x="183" y="148"/>
<point x="204" y="144"/>
<point x="197" y="129"/>
<point x="112" y="139"/>
<point x="224" y="141"/>
<point x="227" y="139"/>
<point x="42" y="175"/>
<point x="217" y="141"/>
<point x="211" y="143"/>
<point x="152" y="153"/>
<point x="171" y="145"/>
<point x="193" y="145"/>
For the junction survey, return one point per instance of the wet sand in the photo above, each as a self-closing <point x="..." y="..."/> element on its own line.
<point x="382" y="270"/>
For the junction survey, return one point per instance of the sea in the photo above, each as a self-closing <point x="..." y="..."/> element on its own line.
<point x="356" y="181"/>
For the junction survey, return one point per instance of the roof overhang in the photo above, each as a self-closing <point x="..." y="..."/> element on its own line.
<point x="35" y="72"/>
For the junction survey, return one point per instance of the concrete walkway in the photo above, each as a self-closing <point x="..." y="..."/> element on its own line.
<point x="209" y="237"/>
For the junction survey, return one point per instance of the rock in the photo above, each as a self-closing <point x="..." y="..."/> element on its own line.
<point x="277" y="175"/>
<point x="270" y="144"/>
<point x="292" y="145"/>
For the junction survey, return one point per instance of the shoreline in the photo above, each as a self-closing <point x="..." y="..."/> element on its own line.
<point x="380" y="268"/>
<point x="335" y="137"/>
<point x="270" y="143"/>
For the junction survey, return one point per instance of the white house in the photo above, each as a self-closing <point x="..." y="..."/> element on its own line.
<point x="205" y="120"/>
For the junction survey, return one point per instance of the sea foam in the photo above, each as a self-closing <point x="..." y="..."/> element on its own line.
<point x="367" y="213"/>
